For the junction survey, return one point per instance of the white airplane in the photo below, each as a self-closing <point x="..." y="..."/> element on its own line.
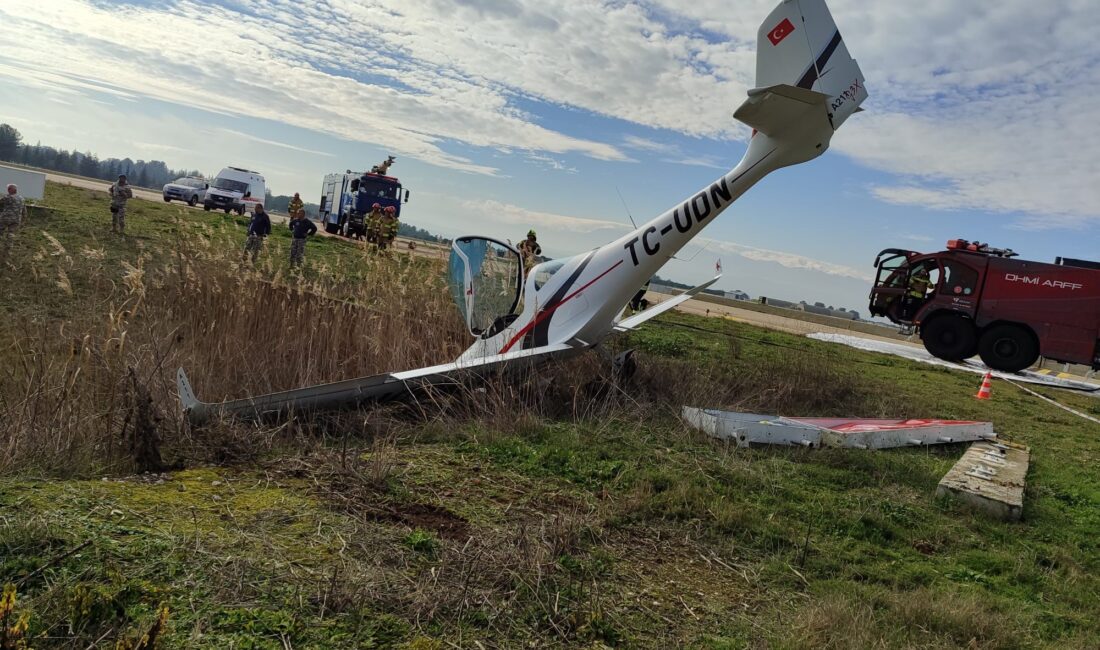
<point x="807" y="85"/>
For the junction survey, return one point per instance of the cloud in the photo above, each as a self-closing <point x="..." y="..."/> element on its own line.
<point x="270" y="63"/>
<point x="672" y="153"/>
<point x="986" y="107"/>
<point x="274" y="143"/>
<point x="645" y="144"/>
<point x="516" y="215"/>
<point x="788" y="260"/>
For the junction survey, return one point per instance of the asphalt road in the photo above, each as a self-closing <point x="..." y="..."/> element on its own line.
<point x="770" y="321"/>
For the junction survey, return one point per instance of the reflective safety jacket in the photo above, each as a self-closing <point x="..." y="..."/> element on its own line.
<point x="919" y="284"/>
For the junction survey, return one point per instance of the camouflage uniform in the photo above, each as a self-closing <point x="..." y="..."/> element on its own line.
<point x="120" y="194"/>
<point x="297" y="252"/>
<point x="12" y="213"/>
<point x="300" y="229"/>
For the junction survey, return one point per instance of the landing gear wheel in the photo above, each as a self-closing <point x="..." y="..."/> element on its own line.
<point x="950" y="338"/>
<point x="193" y="201"/>
<point x="1010" y="348"/>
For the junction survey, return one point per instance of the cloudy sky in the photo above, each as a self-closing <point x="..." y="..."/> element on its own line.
<point x="510" y="114"/>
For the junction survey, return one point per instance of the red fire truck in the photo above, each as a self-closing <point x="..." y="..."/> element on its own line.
<point x="974" y="299"/>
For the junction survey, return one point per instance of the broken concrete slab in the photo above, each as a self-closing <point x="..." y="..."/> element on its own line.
<point x="747" y="429"/>
<point x="990" y="478"/>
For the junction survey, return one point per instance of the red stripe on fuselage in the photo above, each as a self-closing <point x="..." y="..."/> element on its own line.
<point x="545" y="313"/>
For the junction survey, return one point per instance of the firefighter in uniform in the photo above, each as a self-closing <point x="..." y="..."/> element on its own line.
<point x="387" y="231"/>
<point x="919" y="283"/>
<point x="12" y="213"/>
<point x="374" y="222"/>
<point x="295" y="205"/>
<point x="530" y="250"/>
<point x="120" y="193"/>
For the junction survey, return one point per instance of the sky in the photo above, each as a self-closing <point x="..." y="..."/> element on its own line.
<point x="572" y="117"/>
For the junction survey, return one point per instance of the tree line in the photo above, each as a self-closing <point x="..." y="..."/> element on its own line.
<point x="142" y="173"/>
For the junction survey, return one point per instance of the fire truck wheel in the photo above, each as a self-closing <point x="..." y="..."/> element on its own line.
<point x="1010" y="348"/>
<point x="951" y="338"/>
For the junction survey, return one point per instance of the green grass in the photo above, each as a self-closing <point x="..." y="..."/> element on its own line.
<point x="623" y="530"/>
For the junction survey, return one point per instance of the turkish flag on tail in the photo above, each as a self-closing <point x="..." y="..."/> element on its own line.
<point x="781" y="31"/>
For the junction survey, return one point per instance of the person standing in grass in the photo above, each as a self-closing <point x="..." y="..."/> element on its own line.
<point x="12" y="213"/>
<point x="387" y="230"/>
<point x="300" y="228"/>
<point x="295" y="205"/>
<point x="374" y="223"/>
<point x="258" y="230"/>
<point x="120" y="193"/>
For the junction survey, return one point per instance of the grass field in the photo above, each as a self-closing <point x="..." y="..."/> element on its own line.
<point x="555" y="513"/>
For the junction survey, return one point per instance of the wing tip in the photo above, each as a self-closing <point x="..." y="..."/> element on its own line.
<point x="188" y="401"/>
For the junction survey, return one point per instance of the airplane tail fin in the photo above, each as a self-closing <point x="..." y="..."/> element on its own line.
<point x="801" y="61"/>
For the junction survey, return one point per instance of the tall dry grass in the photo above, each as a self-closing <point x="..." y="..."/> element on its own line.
<point x="94" y="389"/>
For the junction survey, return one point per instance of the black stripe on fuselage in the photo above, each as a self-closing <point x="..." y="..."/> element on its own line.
<point x="540" y="333"/>
<point x="810" y="76"/>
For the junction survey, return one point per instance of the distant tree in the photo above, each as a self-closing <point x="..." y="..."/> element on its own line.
<point x="89" y="165"/>
<point x="157" y="174"/>
<point x="10" y="138"/>
<point x="62" y="161"/>
<point x="142" y="177"/>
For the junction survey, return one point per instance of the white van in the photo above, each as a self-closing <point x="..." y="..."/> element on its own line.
<point x="235" y="189"/>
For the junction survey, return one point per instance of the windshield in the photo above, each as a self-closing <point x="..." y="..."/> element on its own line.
<point x="543" y="272"/>
<point x="892" y="270"/>
<point x="484" y="277"/>
<point x="377" y="189"/>
<point x="231" y="185"/>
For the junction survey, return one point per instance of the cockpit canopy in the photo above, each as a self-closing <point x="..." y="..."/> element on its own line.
<point x="485" y="277"/>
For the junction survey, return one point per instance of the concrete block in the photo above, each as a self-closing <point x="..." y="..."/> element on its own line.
<point x="990" y="478"/>
<point x="32" y="184"/>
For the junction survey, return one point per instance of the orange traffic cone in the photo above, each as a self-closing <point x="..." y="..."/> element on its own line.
<point x="985" y="392"/>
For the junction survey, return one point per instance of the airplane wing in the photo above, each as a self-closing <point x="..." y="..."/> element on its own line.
<point x="374" y="388"/>
<point x="627" y="324"/>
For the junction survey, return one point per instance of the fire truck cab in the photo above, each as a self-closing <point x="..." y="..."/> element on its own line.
<point x="975" y="299"/>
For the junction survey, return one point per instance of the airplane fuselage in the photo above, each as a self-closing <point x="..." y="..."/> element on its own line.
<point x="586" y="293"/>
